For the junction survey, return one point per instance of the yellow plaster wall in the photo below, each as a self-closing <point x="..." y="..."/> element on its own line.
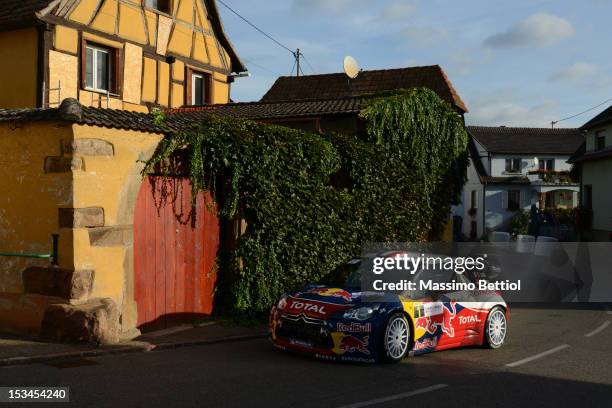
<point x="132" y="75"/>
<point x="107" y="17"/>
<point x="213" y="52"/>
<point x="112" y="183"/>
<point x="178" y="95"/>
<point x="83" y="12"/>
<point x="18" y="72"/>
<point x="66" y="39"/>
<point x="30" y="200"/>
<point x="151" y="27"/>
<point x="180" y="40"/>
<point x="199" y="50"/>
<point x="163" y="78"/>
<point x="220" y="92"/>
<point x="185" y="11"/>
<point x="63" y="74"/>
<point x="149" y="86"/>
<point x="178" y="71"/>
<point x="131" y="24"/>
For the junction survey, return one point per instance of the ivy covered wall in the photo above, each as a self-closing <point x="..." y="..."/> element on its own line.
<point x="310" y="201"/>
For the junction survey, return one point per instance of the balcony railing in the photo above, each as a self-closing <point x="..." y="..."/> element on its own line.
<point x="552" y="177"/>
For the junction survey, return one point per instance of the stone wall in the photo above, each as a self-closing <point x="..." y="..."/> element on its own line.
<point x="80" y="182"/>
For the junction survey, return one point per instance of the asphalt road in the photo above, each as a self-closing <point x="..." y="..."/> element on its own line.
<point x="553" y="358"/>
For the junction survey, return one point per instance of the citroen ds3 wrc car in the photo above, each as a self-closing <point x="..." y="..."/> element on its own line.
<point x="339" y="322"/>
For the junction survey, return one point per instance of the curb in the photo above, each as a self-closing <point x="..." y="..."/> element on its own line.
<point x="146" y="347"/>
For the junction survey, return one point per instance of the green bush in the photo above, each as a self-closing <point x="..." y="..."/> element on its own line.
<point x="519" y="224"/>
<point x="310" y="201"/>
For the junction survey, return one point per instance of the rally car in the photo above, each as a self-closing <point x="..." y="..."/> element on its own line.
<point x="339" y="322"/>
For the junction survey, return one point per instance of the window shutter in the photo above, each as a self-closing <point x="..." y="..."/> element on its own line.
<point x="505" y="200"/>
<point x="522" y="200"/>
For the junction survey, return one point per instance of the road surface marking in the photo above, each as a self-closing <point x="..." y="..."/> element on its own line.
<point x="537" y="356"/>
<point x="597" y="330"/>
<point x="395" y="397"/>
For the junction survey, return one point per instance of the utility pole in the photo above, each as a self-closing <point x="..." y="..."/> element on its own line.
<point x="298" y="54"/>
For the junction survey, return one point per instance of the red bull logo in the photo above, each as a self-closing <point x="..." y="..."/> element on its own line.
<point x="334" y="292"/>
<point x="444" y="321"/>
<point x="351" y="344"/>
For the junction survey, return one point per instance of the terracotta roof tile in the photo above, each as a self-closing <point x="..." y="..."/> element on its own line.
<point x="334" y="86"/>
<point x="515" y="140"/>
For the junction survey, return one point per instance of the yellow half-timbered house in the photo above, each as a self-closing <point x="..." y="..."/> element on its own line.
<point x="119" y="54"/>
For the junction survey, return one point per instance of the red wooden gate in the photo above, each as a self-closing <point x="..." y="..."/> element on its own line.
<point x="175" y="248"/>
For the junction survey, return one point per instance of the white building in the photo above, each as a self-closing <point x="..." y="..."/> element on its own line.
<point x="594" y="159"/>
<point x="513" y="168"/>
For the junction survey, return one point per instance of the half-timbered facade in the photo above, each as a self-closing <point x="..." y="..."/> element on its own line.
<point x="119" y="54"/>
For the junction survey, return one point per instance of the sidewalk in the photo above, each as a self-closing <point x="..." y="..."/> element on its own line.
<point x="16" y="351"/>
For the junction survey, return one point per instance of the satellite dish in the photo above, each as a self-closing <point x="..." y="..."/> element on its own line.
<point x="351" y="67"/>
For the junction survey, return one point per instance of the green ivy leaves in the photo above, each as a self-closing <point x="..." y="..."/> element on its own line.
<point x="310" y="201"/>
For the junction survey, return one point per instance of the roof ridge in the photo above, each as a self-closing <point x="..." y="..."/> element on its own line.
<point x="519" y="127"/>
<point x="362" y="71"/>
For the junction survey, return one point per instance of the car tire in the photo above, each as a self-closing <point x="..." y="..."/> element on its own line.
<point x="396" y="338"/>
<point x="496" y="328"/>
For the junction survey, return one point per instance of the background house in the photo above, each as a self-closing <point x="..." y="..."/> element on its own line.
<point x="513" y="168"/>
<point x="332" y="102"/>
<point x="130" y="54"/>
<point x="594" y="160"/>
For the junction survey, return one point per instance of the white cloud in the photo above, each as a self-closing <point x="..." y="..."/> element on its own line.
<point x="577" y="72"/>
<point x="538" y="30"/>
<point x="495" y="111"/>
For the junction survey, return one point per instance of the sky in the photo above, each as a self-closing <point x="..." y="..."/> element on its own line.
<point x="514" y="62"/>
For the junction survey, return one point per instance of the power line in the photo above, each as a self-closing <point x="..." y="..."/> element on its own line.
<point x="257" y="28"/>
<point x="309" y="64"/>
<point x="296" y="54"/>
<point x="554" y="122"/>
<point x="251" y="62"/>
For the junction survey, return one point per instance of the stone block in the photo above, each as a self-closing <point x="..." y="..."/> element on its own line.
<point x="88" y="147"/>
<point x="57" y="282"/>
<point x="58" y="164"/>
<point x="111" y="236"/>
<point x="81" y="217"/>
<point x="94" y="322"/>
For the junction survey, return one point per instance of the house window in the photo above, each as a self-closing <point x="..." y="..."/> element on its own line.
<point x="200" y="89"/>
<point x="160" y="5"/>
<point x="588" y="197"/>
<point x="514" y="200"/>
<point x="547" y="164"/>
<point x="600" y="141"/>
<point x="513" y="165"/>
<point x="100" y="69"/>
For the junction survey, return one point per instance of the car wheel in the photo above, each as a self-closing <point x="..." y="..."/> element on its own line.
<point x="496" y="328"/>
<point x="396" y="340"/>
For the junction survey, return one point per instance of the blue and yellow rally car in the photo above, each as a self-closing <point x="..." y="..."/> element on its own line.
<point x="337" y="321"/>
